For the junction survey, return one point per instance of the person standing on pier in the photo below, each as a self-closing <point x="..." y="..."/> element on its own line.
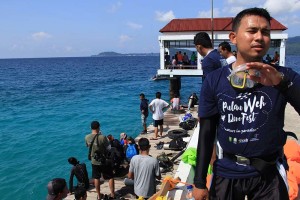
<point x="225" y="51"/>
<point x="244" y="103"/>
<point x="98" y="168"/>
<point x="157" y="107"/>
<point x="144" y="111"/>
<point x="212" y="59"/>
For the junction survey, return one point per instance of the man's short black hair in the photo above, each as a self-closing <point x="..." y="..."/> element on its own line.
<point x="142" y="95"/>
<point x="95" y="125"/>
<point x="144" y="144"/>
<point x="250" y="11"/>
<point x="158" y="95"/>
<point x="225" y="45"/>
<point x="203" y="39"/>
<point x="73" y="161"/>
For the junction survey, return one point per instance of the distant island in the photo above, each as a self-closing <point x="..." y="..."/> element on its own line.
<point x="292" y="48"/>
<point x="114" y="54"/>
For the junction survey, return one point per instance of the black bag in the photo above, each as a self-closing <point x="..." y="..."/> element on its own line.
<point x="188" y="124"/>
<point x="177" y="144"/>
<point x="100" y="157"/>
<point x="164" y="162"/>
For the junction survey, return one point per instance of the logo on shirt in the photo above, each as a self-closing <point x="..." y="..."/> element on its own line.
<point x="245" y="113"/>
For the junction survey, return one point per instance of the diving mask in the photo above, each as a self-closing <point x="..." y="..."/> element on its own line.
<point x="239" y="77"/>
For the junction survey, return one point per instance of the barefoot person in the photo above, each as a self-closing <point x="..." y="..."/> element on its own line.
<point x="157" y="108"/>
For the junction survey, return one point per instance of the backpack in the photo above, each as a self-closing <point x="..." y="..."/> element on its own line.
<point x="188" y="124"/>
<point x="177" y="144"/>
<point x="164" y="162"/>
<point x="130" y="151"/>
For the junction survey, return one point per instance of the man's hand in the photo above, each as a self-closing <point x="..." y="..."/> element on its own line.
<point x="200" y="194"/>
<point x="269" y="76"/>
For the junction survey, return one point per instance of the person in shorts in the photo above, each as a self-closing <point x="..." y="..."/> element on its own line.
<point x="98" y="168"/>
<point x="157" y="107"/>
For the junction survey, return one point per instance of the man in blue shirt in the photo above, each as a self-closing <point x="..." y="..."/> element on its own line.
<point x="212" y="59"/>
<point x="244" y="104"/>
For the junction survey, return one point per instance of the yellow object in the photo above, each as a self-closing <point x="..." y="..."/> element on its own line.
<point x="141" y="198"/>
<point x="161" y="198"/>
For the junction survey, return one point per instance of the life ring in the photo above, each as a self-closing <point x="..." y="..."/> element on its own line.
<point x="177" y="133"/>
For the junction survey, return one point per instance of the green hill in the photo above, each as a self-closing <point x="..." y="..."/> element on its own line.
<point x="293" y="46"/>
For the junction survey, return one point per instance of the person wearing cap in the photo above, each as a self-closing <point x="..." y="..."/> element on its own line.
<point x="244" y="103"/>
<point x="123" y="139"/>
<point x="212" y="59"/>
<point x="80" y="172"/>
<point x="57" y="189"/>
<point x="98" y="168"/>
<point x="144" y="170"/>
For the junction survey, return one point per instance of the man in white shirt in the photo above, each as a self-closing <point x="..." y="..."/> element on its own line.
<point x="225" y="51"/>
<point x="156" y="107"/>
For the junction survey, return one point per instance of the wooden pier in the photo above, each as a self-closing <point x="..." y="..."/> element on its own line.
<point x="171" y="122"/>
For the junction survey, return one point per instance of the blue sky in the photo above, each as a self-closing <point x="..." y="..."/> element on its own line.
<point x="70" y="28"/>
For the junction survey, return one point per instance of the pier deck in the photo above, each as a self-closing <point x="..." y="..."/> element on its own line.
<point x="171" y="122"/>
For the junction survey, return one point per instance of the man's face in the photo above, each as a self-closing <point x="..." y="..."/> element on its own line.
<point x="252" y="38"/>
<point x="222" y="52"/>
<point x="199" y="48"/>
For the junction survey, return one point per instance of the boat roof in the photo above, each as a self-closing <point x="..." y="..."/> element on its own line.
<point x="204" y="24"/>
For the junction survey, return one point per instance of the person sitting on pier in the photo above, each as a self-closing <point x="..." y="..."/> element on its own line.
<point x="80" y="172"/>
<point x="143" y="171"/>
<point x="175" y="102"/>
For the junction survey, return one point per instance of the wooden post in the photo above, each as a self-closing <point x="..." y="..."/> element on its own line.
<point x="175" y="86"/>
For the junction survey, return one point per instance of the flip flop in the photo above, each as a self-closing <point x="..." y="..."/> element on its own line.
<point x="153" y="138"/>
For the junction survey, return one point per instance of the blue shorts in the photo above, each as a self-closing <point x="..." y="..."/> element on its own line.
<point x="158" y="122"/>
<point x="144" y="119"/>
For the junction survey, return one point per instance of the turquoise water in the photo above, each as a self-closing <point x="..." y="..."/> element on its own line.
<point x="47" y="106"/>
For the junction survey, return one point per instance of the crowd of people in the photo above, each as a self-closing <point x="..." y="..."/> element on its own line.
<point x="241" y="114"/>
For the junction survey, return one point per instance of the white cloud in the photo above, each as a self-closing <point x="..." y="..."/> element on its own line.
<point x="115" y="7"/>
<point x="282" y="6"/>
<point x="134" y="25"/>
<point x="207" y="14"/>
<point x="41" y="35"/>
<point x="124" y="38"/>
<point x="164" y="17"/>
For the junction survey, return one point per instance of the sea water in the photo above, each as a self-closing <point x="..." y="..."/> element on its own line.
<point x="47" y="104"/>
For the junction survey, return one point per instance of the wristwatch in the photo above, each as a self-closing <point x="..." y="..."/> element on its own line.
<point x="284" y="84"/>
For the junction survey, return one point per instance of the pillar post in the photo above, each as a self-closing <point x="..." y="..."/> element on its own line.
<point x="175" y="86"/>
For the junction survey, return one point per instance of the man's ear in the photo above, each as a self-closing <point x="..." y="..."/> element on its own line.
<point x="232" y="37"/>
